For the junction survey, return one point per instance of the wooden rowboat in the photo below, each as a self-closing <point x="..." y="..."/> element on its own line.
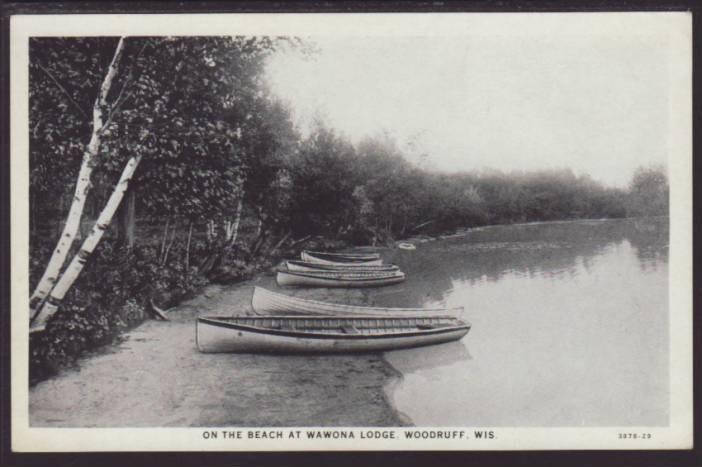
<point x="304" y="266"/>
<point x="333" y="334"/>
<point x="265" y="301"/>
<point x="339" y="259"/>
<point x="339" y="278"/>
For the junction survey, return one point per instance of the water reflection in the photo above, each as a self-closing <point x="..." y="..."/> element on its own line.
<point x="554" y="250"/>
<point x="569" y="326"/>
<point x="650" y="239"/>
<point x="435" y="356"/>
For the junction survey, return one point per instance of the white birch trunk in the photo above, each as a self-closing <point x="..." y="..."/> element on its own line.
<point x="165" y="240"/>
<point x="164" y="257"/>
<point x="187" y="248"/>
<point x="259" y="225"/>
<point x="210" y="228"/>
<point x="76" y="266"/>
<point x="228" y="230"/>
<point x="70" y="228"/>
<point x="237" y="220"/>
<point x="233" y="225"/>
<point x="259" y="221"/>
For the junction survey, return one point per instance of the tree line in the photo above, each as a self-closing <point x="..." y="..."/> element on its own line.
<point x="165" y="150"/>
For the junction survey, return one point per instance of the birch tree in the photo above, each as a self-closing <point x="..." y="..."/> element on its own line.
<point x="232" y="226"/>
<point x="76" y="266"/>
<point x="174" y="124"/>
<point x="100" y="116"/>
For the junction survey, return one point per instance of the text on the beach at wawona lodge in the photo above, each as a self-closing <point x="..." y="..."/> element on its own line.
<point x="355" y="434"/>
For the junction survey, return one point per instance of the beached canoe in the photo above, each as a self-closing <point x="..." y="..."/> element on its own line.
<point x="339" y="259"/>
<point x="333" y="334"/>
<point x="342" y="256"/>
<point x="265" y="301"/>
<point x="339" y="278"/>
<point x="304" y="266"/>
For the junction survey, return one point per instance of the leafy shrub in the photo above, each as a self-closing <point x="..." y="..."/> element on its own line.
<point x="73" y="329"/>
<point x="110" y="296"/>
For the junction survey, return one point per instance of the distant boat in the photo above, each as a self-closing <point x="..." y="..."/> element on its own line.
<point x="333" y="334"/>
<point x="406" y="246"/>
<point x="340" y="259"/>
<point x="265" y="301"/>
<point x="339" y="278"/>
<point x="304" y="266"/>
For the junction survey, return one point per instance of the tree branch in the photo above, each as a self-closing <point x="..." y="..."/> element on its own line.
<point x="121" y="98"/>
<point x="158" y="311"/>
<point x="116" y="106"/>
<point x="75" y="104"/>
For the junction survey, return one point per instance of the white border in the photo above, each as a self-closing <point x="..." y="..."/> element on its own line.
<point x="675" y="28"/>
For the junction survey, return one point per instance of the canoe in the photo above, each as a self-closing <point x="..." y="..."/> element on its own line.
<point x="341" y="256"/>
<point x="304" y="266"/>
<point x="332" y="334"/>
<point x="265" y="301"/>
<point x="339" y="278"/>
<point x="371" y="259"/>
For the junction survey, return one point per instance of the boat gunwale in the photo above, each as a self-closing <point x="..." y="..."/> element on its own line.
<point x="372" y="255"/>
<point x="342" y="267"/>
<point x="338" y="275"/>
<point x="220" y="322"/>
<point x="340" y="260"/>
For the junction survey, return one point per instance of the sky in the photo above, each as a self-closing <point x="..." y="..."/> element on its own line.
<point x="542" y="99"/>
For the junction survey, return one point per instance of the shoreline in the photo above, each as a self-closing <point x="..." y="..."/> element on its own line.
<point x="464" y="231"/>
<point x="328" y="382"/>
<point x="155" y="377"/>
<point x="389" y="393"/>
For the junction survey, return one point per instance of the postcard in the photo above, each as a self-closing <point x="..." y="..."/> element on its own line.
<point x="365" y="231"/>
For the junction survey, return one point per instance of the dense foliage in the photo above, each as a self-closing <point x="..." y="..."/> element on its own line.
<point x="222" y="157"/>
<point x="373" y="191"/>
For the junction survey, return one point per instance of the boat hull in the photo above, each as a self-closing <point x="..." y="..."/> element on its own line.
<point x="334" y="279"/>
<point x="339" y="261"/>
<point x="215" y="335"/>
<point x="304" y="266"/>
<point x="265" y="301"/>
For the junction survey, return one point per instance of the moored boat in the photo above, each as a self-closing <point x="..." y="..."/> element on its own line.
<point x="333" y="334"/>
<point x="266" y="301"/>
<point x="339" y="278"/>
<point x="304" y="266"/>
<point x="340" y="259"/>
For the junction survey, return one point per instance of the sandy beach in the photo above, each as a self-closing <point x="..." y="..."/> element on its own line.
<point x="157" y="378"/>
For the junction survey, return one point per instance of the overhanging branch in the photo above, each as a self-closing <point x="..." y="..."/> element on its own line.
<point x="75" y="104"/>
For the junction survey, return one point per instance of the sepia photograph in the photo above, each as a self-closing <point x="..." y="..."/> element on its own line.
<point x="343" y="232"/>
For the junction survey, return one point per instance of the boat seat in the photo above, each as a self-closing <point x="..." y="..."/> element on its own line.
<point x="347" y="329"/>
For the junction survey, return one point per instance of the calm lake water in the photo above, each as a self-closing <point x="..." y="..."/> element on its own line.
<point x="569" y="326"/>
